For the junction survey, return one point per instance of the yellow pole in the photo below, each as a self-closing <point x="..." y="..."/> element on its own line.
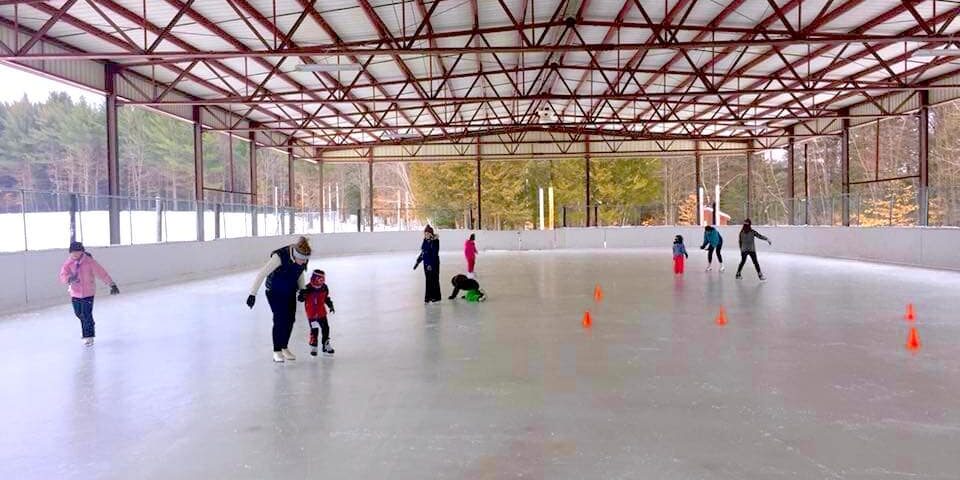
<point x="550" y="203"/>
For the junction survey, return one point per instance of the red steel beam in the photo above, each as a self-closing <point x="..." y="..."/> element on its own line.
<point x="855" y="57"/>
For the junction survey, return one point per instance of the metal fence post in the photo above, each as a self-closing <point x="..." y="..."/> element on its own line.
<point x="23" y="217"/>
<point x="159" y="220"/>
<point x="73" y="217"/>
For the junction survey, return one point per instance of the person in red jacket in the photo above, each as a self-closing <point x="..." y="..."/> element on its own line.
<point x="470" y="251"/>
<point x="316" y="299"/>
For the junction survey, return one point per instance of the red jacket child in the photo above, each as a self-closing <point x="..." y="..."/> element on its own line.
<point x="316" y="300"/>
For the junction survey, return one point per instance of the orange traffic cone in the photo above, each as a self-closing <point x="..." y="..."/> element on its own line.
<point x="597" y="293"/>
<point x="913" y="340"/>
<point x="587" y="321"/>
<point x="722" y="317"/>
<point x="911" y="315"/>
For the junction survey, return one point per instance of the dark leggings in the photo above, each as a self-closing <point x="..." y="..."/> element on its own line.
<point x="432" y="276"/>
<point x="710" y="249"/>
<point x="284" y="308"/>
<point x="324" y="329"/>
<point x="83" y="309"/>
<point x="743" y="260"/>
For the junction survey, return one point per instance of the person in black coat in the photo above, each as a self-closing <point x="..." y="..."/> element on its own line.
<point x="284" y="277"/>
<point x="430" y="257"/>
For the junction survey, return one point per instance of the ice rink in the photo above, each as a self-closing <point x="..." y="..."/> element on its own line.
<point x="810" y="379"/>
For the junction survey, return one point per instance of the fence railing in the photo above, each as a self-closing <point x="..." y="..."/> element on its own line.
<point x="32" y="220"/>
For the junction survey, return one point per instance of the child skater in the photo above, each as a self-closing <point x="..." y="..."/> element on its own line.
<point x="472" y="288"/>
<point x="679" y="252"/>
<point x="80" y="272"/>
<point x="316" y="299"/>
<point x="470" y="252"/>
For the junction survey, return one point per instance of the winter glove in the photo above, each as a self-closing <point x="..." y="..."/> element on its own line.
<point x="332" y="310"/>
<point x="114" y="290"/>
<point x="769" y="243"/>
<point x="251" y="300"/>
<point x="302" y="296"/>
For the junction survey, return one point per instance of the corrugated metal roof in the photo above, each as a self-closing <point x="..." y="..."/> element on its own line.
<point x="728" y="67"/>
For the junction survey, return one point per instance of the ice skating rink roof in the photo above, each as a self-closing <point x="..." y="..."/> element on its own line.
<point x="500" y="77"/>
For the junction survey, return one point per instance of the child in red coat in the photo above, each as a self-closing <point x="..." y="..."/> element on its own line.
<point x="316" y="299"/>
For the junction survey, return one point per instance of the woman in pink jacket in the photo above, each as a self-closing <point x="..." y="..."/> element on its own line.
<point x="80" y="272"/>
<point x="470" y="251"/>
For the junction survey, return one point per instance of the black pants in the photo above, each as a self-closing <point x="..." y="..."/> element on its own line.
<point x="324" y="330"/>
<point x="743" y="260"/>
<point x="432" y="277"/>
<point x="710" y="253"/>
<point x="284" y="308"/>
<point x="83" y="309"/>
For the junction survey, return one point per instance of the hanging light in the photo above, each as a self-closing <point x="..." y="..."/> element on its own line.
<point x="328" y="67"/>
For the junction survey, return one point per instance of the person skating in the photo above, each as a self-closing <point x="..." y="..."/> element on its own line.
<point x="679" y="253"/>
<point x="430" y="257"/>
<point x="470" y="286"/>
<point x="748" y="247"/>
<point x="79" y="272"/>
<point x="316" y="299"/>
<point x="284" y="276"/>
<point x="712" y="241"/>
<point x="470" y="252"/>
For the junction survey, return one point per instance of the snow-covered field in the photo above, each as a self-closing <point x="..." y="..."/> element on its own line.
<point x="51" y="230"/>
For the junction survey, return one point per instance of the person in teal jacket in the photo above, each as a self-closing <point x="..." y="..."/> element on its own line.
<point x="712" y="241"/>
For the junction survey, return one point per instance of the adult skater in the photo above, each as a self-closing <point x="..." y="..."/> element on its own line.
<point x="470" y="252"/>
<point x="430" y="256"/>
<point x="80" y="272"/>
<point x="748" y="248"/>
<point x="284" y="275"/>
<point x="712" y="241"/>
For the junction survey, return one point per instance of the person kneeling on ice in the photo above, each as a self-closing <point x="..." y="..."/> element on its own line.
<point x="316" y="299"/>
<point x="679" y="253"/>
<point x="470" y="286"/>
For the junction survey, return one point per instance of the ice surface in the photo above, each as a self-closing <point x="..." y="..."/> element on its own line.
<point x="810" y="378"/>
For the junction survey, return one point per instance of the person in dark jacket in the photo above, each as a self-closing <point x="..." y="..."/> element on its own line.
<point x="284" y="276"/>
<point x="316" y="300"/>
<point x="468" y="285"/>
<point x="712" y="241"/>
<point x="748" y="247"/>
<point x="430" y="257"/>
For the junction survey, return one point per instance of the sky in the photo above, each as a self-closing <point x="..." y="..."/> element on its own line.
<point x="17" y="82"/>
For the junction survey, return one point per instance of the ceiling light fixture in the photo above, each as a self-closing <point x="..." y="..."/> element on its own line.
<point x="329" y="67"/>
<point x="937" y="52"/>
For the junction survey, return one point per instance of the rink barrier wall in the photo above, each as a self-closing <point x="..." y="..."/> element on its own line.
<point x="30" y="278"/>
